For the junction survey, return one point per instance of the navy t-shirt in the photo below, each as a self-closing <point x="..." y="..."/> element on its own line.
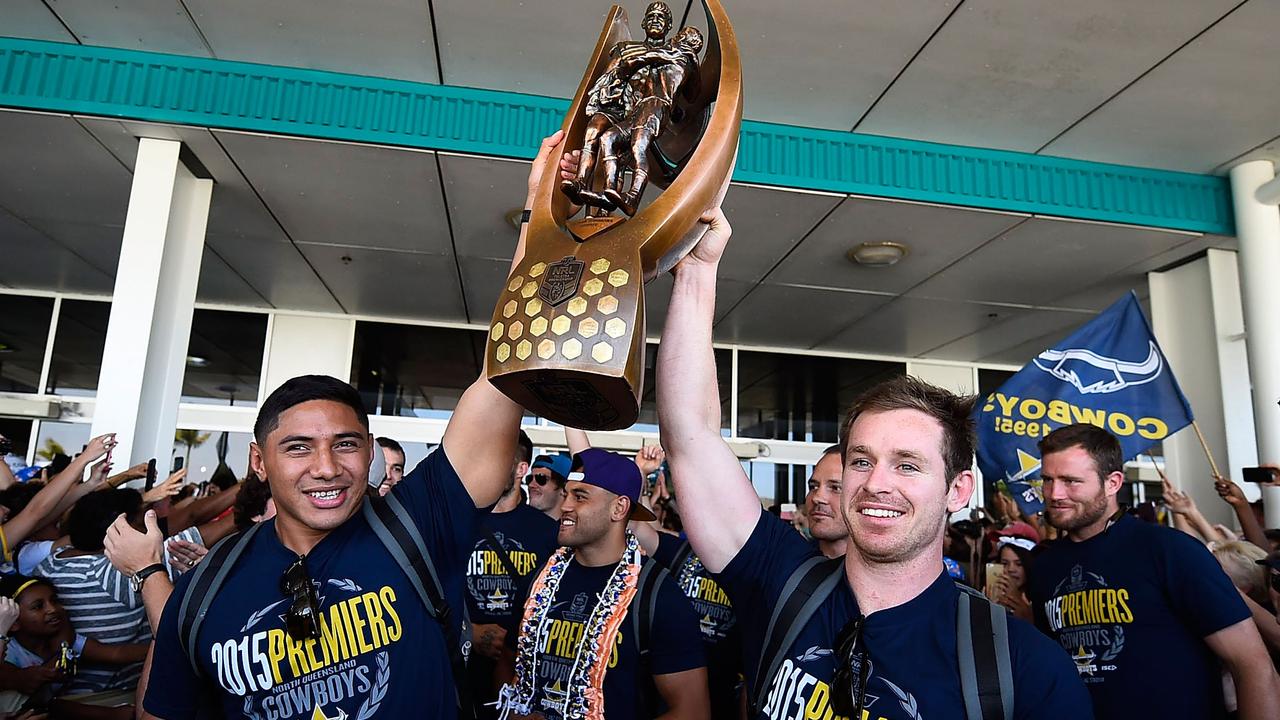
<point x="380" y="656"/>
<point x="529" y="538"/>
<point x="674" y="645"/>
<point x="716" y="620"/>
<point x="914" y="669"/>
<point x="1132" y="606"/>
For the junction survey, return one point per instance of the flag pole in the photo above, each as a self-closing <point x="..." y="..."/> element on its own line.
<point x="1156" y="465"/>
<point x="1213" y="466"/>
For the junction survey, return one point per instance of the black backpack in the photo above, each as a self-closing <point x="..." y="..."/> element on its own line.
<point x="393" y="525"/>
<point x="643" y="607"/>
<point x="982" y="639"/>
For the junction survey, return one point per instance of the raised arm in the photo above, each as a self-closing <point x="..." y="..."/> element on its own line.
<point x="717" y="502"/>
<point x="1234" y="496"/>
<point x="481" y="436"/>
<point x="1243" y="654"/>
<point x="1182" y="505"/>
<point x="42" y="507"/>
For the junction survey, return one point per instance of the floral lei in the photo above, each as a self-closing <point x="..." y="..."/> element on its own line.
<point x="585" y="684"/>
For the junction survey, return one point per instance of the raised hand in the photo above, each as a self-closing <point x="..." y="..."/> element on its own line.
<point x="8" y="614"/>
<point x="1177" y="501"/>
<point x="711" y="247"/>
<point x="184" y="555"/>
<point x="166" y="489"/>
<point x="1232" y="493"/>
<point x="99" y="446"/>
<point x="129" y="550"/>
<point x="650" y="458"/>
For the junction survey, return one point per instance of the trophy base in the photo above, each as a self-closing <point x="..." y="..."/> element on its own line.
<point x="583" y="400"/>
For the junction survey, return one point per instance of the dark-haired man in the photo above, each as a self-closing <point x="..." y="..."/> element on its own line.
<point x="546" y="483"/>
<point x="394" y="458"/>
<point x="316" y="618"/>
<point x="883" y="642"/>
<point x="578" y="653"/>
<point x="513" y="543"/>
<point x="1136" y="603"/>
<point x="822" y="505"/>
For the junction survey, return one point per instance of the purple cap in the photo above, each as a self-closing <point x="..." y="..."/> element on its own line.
<point x="614" y="473"/>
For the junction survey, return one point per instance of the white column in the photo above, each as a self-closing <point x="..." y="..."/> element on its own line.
<point x="144" y="358"/>
<point x="1195" y="312"/>
<point x="1258" y="229"/>
<point x="306" y="345"/>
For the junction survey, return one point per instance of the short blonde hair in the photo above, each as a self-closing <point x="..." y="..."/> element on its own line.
<point x="1239" y="559"/>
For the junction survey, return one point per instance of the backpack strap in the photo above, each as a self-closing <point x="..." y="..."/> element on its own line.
<point x="394" y="526"/>
<point x="982" y="647"/>
<point x="806" y="589"/>
<point x="645" y="605"/>
<point x="682" y="554"/>
<point x="206" y="579"/>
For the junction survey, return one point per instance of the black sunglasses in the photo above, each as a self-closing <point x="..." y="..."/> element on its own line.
<point x="301" y="620"/>
<point x="849" y="688"/>
<point x="540" y="479"/>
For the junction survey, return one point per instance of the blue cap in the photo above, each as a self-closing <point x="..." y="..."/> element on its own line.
<point x="559" y="464"/>
<point x="615" y="473"/>
<point x="26" y="473"/>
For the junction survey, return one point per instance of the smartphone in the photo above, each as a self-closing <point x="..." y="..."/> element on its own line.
<point x="1259" y="475"/>
<point x="151" y="475"/>
<point x="177" y="464"/>
<point x="995" y="571"/>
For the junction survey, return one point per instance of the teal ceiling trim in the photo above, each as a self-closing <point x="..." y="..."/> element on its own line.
<point x="135" y="85"/>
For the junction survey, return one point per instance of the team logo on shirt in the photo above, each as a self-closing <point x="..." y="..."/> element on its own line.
<point x="348" y="666"/>
<point x="1088" y="617"/>
<point x="491" y="587"/>
<point x="709" y="600"/>
<point x="797" y="694"/>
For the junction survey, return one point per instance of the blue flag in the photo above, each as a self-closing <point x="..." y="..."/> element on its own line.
<point x="1109" y="373"/>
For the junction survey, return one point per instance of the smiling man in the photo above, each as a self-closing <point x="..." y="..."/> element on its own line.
<point x="883" y="641"/>
<point x="316" y="618"/>
<point x="578" y="651"/>
<point x="822" y="504"/>
<point x="1132" y="601"/>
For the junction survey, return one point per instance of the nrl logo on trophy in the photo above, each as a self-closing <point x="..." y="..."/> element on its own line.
<point x="561" y="281"/>
<point x="660" y="113"/>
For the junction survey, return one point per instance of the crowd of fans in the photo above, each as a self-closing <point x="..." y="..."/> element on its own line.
<point x="490" y="582"/>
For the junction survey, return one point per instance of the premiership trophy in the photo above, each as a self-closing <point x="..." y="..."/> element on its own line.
<point x="567" y="336"/>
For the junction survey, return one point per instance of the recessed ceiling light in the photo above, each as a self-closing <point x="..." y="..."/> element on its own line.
<point x="197" y="362"/>
<point x="877" y="254"/>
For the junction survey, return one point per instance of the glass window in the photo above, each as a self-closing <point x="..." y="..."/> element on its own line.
<point x="990" y="381"/>
<point x="802" y="397"/>
<point x="224" y="357"/>
<point x="60" y="438"/>
<point x="24" y="332"/>
<point x="200" y="451"/>
<point x="77" y="347"/>
<point x="413" y="370"/>
<point x="18" y="433"/>
<point x="648" y="419"/>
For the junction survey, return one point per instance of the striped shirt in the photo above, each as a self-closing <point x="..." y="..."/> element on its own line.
<point x="102" y="605"/>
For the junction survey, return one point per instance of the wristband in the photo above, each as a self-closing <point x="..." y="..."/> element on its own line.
<point x="524" y="216"/>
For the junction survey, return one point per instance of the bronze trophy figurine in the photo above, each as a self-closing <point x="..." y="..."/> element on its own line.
<point x="567" y="336"/>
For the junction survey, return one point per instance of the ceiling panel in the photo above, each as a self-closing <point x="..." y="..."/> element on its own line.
<point x="1044" y="259"/>
<point x="31" y="19"/>
<point x="912" y="326"/>
<point x="395" y="284"/>
<point x="99" y="245"/>
<point x="277" y="270"/>
<point x="482" y="279"/>
<point x="346" y="194"/>
<point x="657" y="297"/>
<point x="793" y="316"/>
<point x="54" y="170"/>
<point x="1269" y="150"/>
<point x="155" y="25"/>
<point x="522" y="46"/>
<point x="1013" y="75"/>
<point x="40" y="263"/>
<point x="220" y="284"/>
<point x="1205" y="105"/>
<point x="481" y="191"/>
<point x="936" y="235"/>
<point x="1009" y="333"/>
<point x="324" y="35"/>
<point x="823" y="63"/>
<point x="767" y="224"/>
<point x="1021" y="354"/>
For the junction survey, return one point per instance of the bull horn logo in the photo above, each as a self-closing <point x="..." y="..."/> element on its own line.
<point x="1094" y="374"/>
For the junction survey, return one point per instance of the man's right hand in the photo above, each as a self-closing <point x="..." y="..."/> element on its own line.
<point x="710" y="248"/>
<point x="129" y="550"/>
<point x="488" y="640"/>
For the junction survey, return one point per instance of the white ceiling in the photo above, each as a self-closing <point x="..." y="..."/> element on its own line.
<point x="300" y="224"/>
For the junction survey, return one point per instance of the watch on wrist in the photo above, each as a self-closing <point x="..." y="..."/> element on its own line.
<point x="140" y="577"/>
